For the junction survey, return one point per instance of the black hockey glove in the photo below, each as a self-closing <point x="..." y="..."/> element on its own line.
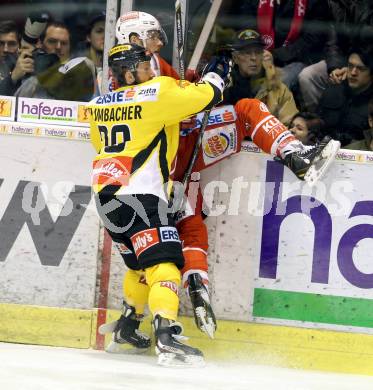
<point x="221" y="65"/>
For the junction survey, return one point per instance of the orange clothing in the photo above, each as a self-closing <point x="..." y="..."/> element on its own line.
<point x="223" y="136"/>
<point x="165" y="68"/>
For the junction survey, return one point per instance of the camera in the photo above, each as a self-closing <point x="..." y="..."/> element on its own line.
<point x="43" y="60"/>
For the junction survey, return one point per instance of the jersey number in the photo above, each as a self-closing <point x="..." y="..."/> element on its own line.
<point x="119" y="135"/>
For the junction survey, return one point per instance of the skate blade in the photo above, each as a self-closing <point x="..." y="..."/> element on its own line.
<point x="107" y="328"/>
<point x="318" y="169"/>
<point x="176" y="360"/>
<point x="124" y="349"/>
<point x="206" y="324"/>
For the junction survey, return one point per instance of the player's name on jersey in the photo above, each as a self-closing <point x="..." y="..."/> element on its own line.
<point x="15" y="128"/>
<point x="117" y="113"/>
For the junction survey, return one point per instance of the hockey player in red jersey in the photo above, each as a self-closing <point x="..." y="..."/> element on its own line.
<point x="145" y="30"/>
<point x="248" y="118"/>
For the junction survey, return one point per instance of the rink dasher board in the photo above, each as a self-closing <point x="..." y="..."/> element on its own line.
<point x="243" y="342"/>
<point x="285" y="288"/>
<point x="49" y="227"/>
<point x="37" y="162"/>
<point x="265" y="263"/>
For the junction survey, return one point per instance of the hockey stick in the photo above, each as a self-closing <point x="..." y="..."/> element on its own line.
<point x="205" y="33"/>
<point x="178" y="202"/>
<point x="180" y="41"/>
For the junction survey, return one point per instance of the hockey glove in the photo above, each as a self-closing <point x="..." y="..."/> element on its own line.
<point x="221" y="65"/>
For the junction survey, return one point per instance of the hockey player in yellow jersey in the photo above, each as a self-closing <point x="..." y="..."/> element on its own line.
<point x="135" y="131"/>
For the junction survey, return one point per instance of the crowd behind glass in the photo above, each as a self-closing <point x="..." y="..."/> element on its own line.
<point x="310" y="61"/>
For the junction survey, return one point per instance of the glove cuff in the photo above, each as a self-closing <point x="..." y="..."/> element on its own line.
<point x="214" y="79"/>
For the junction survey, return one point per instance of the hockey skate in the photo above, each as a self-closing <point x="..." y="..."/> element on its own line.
<point x="171" y="352"/>
<point x="311" y="163"/>
<point x="203" y="314"/>
<point x="126" y="338"/>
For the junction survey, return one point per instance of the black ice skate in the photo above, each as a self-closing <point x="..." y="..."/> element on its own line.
<point x="311" y="163"/>
<point x="170" y="351"/>
<point x="126" y="337"/>
<point x="203" y="314"/>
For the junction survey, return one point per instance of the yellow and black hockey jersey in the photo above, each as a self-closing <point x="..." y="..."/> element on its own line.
<point x="135" y="131"/>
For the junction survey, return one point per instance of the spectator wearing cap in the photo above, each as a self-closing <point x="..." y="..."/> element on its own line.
<point x="344" y="107"/>
<point x="14" y="64"/>
<point x="255" y="76"/>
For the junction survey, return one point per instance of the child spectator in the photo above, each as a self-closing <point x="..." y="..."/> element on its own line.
<point x="306" y="127"/>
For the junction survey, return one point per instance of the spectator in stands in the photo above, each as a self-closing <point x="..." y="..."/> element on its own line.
<point x="54" y="52"/>
<point x="344" y="107"/>
<point x="74" y="80"/>
<point x="56" y="39"/>
<point x="306" y="127"/>
<point x="367" y="142"/>
<point x="14" y="64"/>
<point x="294" y="31"/>
<point x="254" y="76"/>
<point x="352" y="23"/>
<point x="95" y="38"/>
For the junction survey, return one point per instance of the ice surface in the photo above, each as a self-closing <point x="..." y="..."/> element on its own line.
<point x="29" y="367"/>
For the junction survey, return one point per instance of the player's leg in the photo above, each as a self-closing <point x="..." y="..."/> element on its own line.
<point x="193" y="234"/>
<point x="308" y="163"/>
<point x="159" y="253"/>
<point x="126" y="337"/>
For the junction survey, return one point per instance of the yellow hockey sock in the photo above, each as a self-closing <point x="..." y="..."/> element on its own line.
<point x="163" y="280"/>
<point x="135" y="290"/>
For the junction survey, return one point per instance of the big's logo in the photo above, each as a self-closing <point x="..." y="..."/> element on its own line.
<point x="144" y="240"/>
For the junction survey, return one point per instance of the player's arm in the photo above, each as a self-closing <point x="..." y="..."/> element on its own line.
<point x="192" y="98"/>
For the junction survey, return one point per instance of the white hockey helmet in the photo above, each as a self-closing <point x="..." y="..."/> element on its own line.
<point x="140" y="23"/>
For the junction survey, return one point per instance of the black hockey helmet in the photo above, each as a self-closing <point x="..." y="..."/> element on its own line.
<point x="126" y="57"/>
